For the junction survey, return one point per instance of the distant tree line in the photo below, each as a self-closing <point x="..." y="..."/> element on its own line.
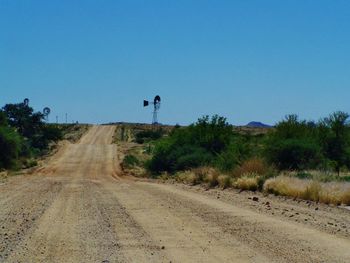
<point x="23" y="134"/>
<point x="293" y="144"/>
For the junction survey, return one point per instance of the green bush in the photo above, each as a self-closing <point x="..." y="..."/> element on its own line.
<point x="334" y="137"/>
<point x="144" y="136"/>
<point x="172" y="157"/>
<point x="129" y="161"/>
<point x="293" y="145"/>
<point x="293" y="154"/>
<point x="10" y="146"/>
<point x="196" y="145"/>
<point x="234" y="154"/>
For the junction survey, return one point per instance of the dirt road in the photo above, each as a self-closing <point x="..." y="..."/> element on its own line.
<point x="78" y="209"/>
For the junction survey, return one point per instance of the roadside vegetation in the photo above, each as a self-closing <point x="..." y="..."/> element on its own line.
<point x="24" y="136"/>
<point x="298" y="158"/>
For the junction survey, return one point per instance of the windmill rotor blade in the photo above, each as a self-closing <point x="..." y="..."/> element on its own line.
<point x="46" y="111"/>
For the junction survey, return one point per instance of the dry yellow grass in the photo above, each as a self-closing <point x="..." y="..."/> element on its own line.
<point x="251" y="166"/>
<point x="210" y="177"/>
<point x="224" y="181"/>
<point x="200" y="175"/>
<point x="247" y="182"/>
<point x="328" y="193"/>
<point x="187" y="177"/>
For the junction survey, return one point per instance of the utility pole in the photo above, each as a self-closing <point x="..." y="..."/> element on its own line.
<point x="56" y="119"/>
<point x="66" y="118"/>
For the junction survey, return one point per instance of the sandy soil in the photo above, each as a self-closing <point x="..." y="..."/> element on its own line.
<point x="77" y="208"/>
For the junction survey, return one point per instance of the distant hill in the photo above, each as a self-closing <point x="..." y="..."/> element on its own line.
<point x="257" y="124"/>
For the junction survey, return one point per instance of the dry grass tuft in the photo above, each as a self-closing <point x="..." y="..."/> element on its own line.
<point x="224" y="181"/>
<point x="199" y="175"/>
<point x="187" y="177"/>
<point x="251" y="166"/>
<point x="248" y="182"/>
<point x="210" y="176"/>
<point x="329" y="193"/>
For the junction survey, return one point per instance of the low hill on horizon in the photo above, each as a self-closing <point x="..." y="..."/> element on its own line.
<point x="257" y="124"/>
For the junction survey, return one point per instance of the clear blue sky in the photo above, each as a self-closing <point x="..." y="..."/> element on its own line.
<point x="246" y="60"/>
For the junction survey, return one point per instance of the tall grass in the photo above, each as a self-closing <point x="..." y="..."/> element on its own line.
<point x="252" y="166"/>
<point x="329" y="193"/>
<point x="224" y="181"/>
<point x="200" y="175"/>
<point x="247" y="182"/>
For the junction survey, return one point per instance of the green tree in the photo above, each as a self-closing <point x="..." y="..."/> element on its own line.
<point x="30" y="125"/>
<point x="293" y="145"/>
<point x="3" y="119"/>
<point x="334" y="134"/>
<point x="27" y="122"/>
<point x="192" y="146"/>
<point x="10" y="146"/>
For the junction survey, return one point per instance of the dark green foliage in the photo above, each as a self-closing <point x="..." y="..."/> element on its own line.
<point x="172" y="157"/>
<point x="303" y="175"/>
<point x="239" y="149"/>
<point x="293" y="145"/>
<point x="23" y="134"/>
<point x="213" y="135"/>
<point x="27" y="122"/>
<point x="198" y="144"/>
<point x="148" y="135"/>
<point x="130" y="161"/>
<point x="3" y="119"/>
<point x="293" y="154"/>
<point x="10" y="146"/>
<point x="30" y="125"/>
<point x="334" y="135"/>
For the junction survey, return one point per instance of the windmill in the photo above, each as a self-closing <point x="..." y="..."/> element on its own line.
<point x="156" y="105"/>
<point x="46" y="112"/>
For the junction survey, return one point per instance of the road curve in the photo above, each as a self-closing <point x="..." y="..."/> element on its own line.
<point x="77" y="209"/>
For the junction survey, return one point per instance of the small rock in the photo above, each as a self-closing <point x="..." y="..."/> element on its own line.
<point x="256" y="199"/>
<point x="163" y="247"/>
<point x="316" y="208"/>
<point x="267" y="203"/>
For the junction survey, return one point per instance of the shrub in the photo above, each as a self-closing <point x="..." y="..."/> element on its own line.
<point x="329" y="193"/>
<point x="10" y="145"/>
<point x="193" y="146"/>
<point x="224" y="181"/>
<point x="28" y="163"/>
<point x="188" y="177"/>
<point x="248" y="182"/>
<point x="234" y="154"/>
<point x="252" y="166"/>
<point x="334" y="133"/>
<point x="303" y="175"/>
<point x="293" y="145"/>
<point x="172" y="158"/>
<point x="148" y="135"/>
<point x="211" y="177"/>
<point x="129" y="161"/>
<point x="293" y="154"/>
<point x="286" y="186"/>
